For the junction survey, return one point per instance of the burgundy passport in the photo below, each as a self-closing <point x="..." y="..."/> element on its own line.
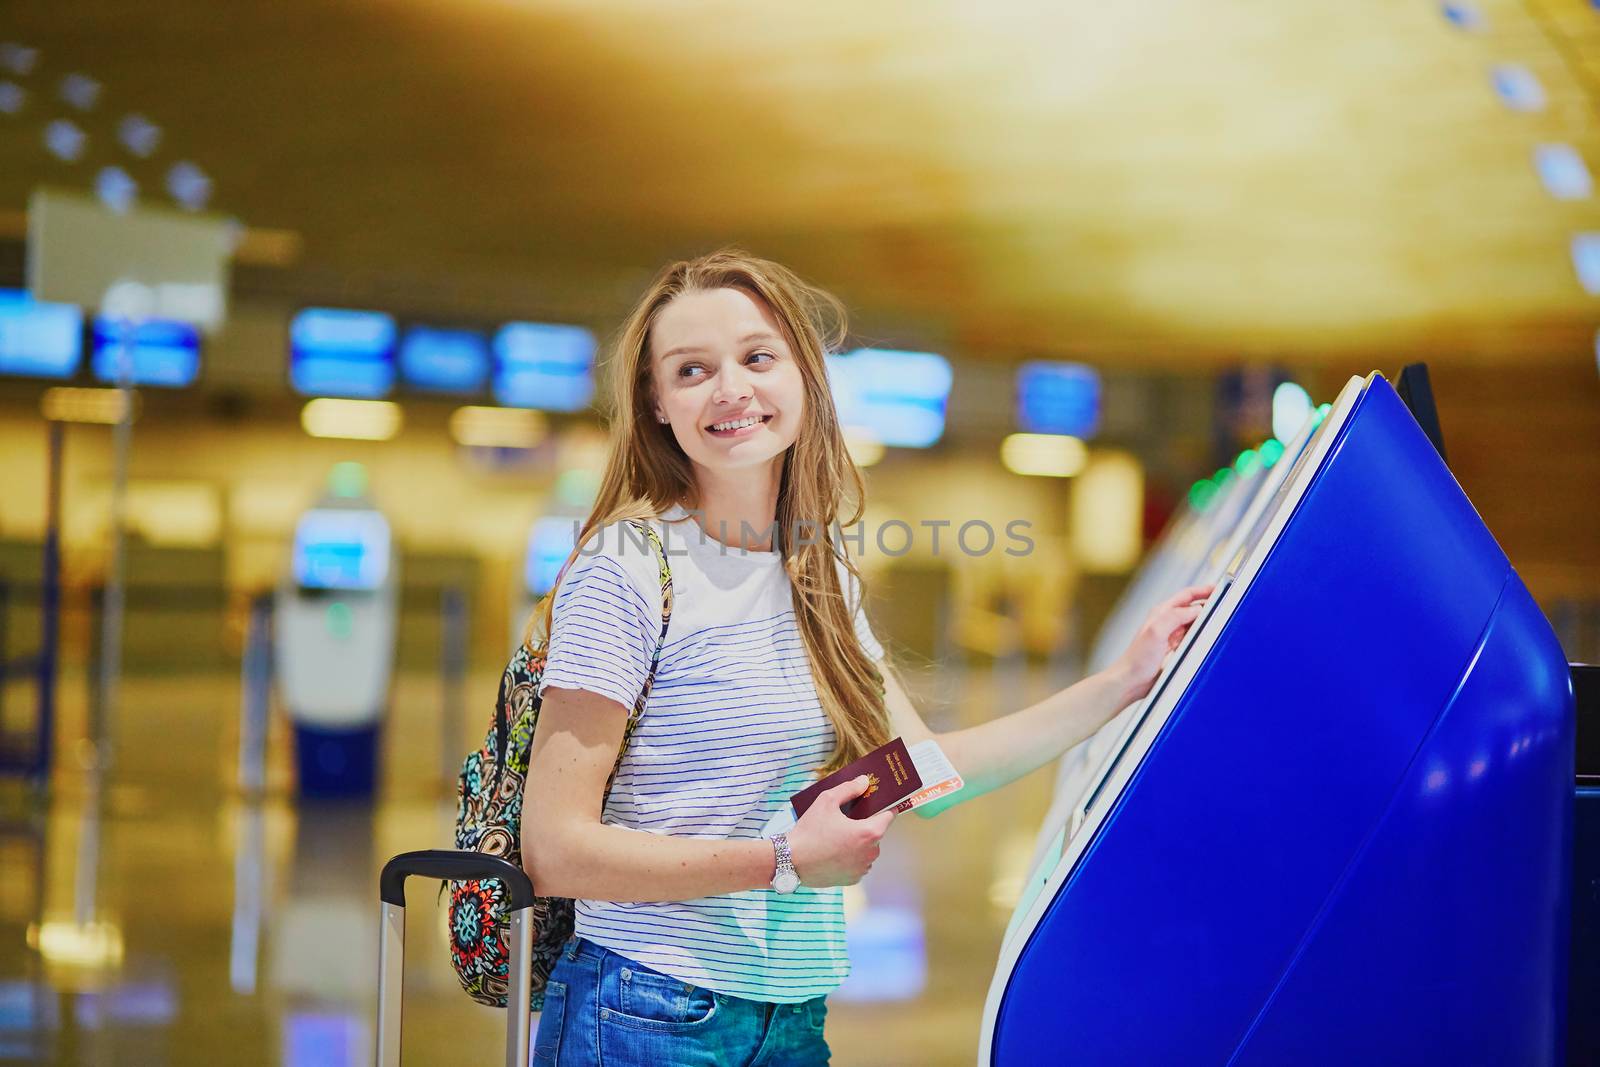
<point x="894" y="777"/>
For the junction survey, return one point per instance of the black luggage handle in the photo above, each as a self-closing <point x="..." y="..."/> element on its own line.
<point x="454" y="865"/>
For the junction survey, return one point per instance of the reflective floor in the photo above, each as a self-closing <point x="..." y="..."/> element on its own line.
<point x="154" y="915"/>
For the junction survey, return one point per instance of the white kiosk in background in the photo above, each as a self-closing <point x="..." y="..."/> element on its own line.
<point x="335" y="638"/>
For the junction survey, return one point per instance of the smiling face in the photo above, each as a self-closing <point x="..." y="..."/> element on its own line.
<point x="726" y="379"/>
<point x="722" y="338"/>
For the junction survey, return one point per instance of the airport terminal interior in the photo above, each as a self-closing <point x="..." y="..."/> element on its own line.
<point x="306" y="322"/>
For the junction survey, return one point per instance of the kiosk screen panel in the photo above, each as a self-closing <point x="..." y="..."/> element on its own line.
<point x="550" y="542"/>
<point x="341" y="549"/>
<point x="1157" y="689"/>
<point x="39" y="340"/>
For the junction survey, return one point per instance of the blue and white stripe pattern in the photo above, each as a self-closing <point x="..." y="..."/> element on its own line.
<point x="731" y="729"/>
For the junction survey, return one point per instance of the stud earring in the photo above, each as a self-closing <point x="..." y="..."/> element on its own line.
<point x="662" y="419"/>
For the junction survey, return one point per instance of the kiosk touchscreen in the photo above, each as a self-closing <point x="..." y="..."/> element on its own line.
<point x="1338" y="830"/>
<point x="1196" y="549"/>
<point x="335" y="641"/>
<point x="1198" y="543"/>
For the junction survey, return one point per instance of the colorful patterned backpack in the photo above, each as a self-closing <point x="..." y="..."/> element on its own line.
<point x="489" y="819"/>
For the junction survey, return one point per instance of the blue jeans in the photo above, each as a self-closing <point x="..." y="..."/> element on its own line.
<point x="602" y="1008"/>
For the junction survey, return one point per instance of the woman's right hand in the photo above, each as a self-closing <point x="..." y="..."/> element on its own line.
<point x="828" y="847"/>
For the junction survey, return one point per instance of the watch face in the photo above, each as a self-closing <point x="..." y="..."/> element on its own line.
<point x="787" y="882"/>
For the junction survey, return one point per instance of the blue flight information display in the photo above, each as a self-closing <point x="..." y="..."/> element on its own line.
<point x="1058" y="398"/>
<point x="550" y="542"/>
<point x="37" y="339"/>
<point x="340" y="352"/>
<point x="444" y="361"/>
<point x="898" y="398"/>
<point x="544" y="365"/>
<point x="339" y="548"/>
<point x="162" y="352"/>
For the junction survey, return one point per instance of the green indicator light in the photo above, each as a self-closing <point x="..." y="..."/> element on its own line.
<point x="341" y="620"/>
<point x="1271" y="452"/>
<point x="1247" y="462"/>
<point x="1201" y="494"/>
<point x="348" y="480"/>
<point x="1223" y="476"/>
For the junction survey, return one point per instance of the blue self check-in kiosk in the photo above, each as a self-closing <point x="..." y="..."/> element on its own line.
<point x="1339" y="829"/>
<point x="335" y="641"/>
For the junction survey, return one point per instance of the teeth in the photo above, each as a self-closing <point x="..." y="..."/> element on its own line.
<point x="737" y="424"/>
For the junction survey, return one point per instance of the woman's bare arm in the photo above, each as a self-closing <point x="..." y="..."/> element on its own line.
<point x="1002" y="750"/>
<point x="569" y="852"/>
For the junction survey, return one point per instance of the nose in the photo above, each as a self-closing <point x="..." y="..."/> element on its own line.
<point x="733" y="385"/>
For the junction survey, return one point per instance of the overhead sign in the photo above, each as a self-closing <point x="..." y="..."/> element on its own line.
<point x="1058" y="398"/>
<point x="341" y="352"/>
<point x="444" y="361"/>
<point x="544" y="365"/>
<point x="143" y="263"/>
<point x="160" y="352"/>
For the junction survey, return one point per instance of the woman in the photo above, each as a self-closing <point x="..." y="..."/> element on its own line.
<point x="693" y="944"/>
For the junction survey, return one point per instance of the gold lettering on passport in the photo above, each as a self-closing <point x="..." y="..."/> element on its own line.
<point x="898" y="768"/>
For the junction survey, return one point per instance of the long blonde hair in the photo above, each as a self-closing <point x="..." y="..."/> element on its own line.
<point x="647" y="471"/>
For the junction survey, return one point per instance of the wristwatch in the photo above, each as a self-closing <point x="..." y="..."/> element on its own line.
<point x="784" y="880"/>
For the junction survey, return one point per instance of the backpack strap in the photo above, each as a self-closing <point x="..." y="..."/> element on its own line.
<point x="502" y="720"/>
<point x="501" y="726"/>
<point x="664" y="574"/>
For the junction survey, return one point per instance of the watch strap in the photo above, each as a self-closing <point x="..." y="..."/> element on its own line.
<point x="783" y="860"/>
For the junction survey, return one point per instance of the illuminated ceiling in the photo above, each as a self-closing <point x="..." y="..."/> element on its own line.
<point x="1153" y="181"/>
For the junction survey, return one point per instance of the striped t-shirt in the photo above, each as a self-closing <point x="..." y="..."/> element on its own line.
<point x="732" y="728"/>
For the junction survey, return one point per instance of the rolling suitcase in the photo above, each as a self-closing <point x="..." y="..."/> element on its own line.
<point x="439" y="864"/>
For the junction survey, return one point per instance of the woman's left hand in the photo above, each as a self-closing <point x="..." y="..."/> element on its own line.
<point x="1136" y="669"/>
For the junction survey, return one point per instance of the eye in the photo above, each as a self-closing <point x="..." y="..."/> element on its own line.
<point x="767" y="356"/>
<point x="683" y="371"/>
